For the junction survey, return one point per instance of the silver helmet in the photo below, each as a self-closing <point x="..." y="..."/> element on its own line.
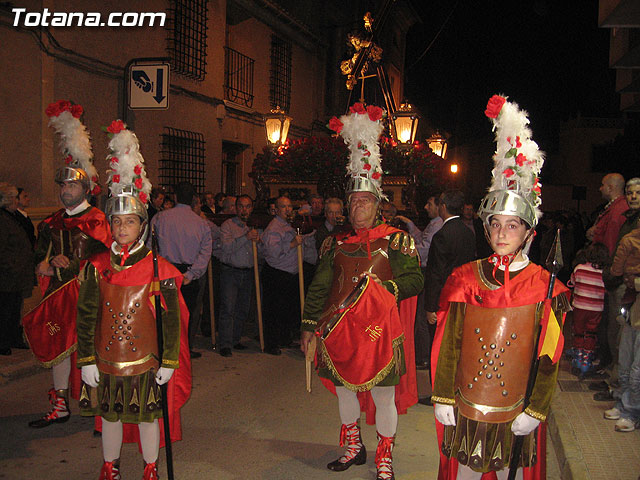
<point x="507" y="202"/>
<point x="362" y="184"/>
<point x="128" y="203"/>
<point x="73" y="174"/>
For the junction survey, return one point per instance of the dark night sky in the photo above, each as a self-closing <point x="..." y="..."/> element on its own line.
<point x="549" y="56"/>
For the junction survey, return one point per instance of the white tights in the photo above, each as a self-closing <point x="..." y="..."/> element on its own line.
<point x="386" y="411"/>
<point x="112" y="440"/>
<point x="61" y="374"/>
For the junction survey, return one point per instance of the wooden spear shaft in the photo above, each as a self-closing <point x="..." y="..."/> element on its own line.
<point x="256" y="279"/>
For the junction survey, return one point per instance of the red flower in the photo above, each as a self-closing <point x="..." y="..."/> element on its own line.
<point x="376" y="175"/>
<point x="115" y="179"/>
<point x="76" y="111"/>
<point x="367" y="166"/>
<point x="520" y="159"/>
<point x="494" y="106"/>
<point x="143" y="197"/>
<point x="335" y="124"/>
<point x="375" y="113"/>
<point x="114" y="160"/>
<point x="137" y="169"/>
<point x="508" y="172"/>
<point x="55" y="109"/>
<point x="94" y="179"/>
<point x="357" y="108"/>
<point x="367" y="153"/>
<point x="116" y="127"/>
<point x="68" y="160"/>
<point x="518" y="142"/>
<point x="97" y="190"/>
<point x="138" y="182"/>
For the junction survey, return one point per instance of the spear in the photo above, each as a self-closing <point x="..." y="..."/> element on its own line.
<point x="553" y="264"/>
<point x="159" y="334"/>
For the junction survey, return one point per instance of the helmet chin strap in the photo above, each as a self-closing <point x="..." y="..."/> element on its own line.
<point x="506" y="260"/>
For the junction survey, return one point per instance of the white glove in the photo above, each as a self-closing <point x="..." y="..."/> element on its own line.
<point x="524" y="424"/>
<point x="444" y="414"/>
<point x="164" y="375"/>
<point x="90" y="375"/>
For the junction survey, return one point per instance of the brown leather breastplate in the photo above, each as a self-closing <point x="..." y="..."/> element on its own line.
<point x="72" y="243"/>
<point x="497" y="347"/>
<point x="125" y="337"/>
<point x="349" y="261"/>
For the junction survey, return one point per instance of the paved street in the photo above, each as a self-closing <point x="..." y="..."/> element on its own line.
<point x="248" y="417"/>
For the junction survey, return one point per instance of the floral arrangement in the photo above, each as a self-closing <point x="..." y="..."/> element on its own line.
<point x="517" y="160"/>
<point x="126" y="173"/>
<point x="75" y="143"/>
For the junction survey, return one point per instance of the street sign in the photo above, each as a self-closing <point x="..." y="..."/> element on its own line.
<point x="149" y="86"/>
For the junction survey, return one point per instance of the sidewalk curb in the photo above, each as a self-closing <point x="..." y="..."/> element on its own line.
<point x="570" y="458"/>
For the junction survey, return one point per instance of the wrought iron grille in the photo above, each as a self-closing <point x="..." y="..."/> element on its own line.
<point x="280" y="82"/>
<point x="188" y="37"/>
<point x="238" y="77"/>
<point x="181" y="158"/>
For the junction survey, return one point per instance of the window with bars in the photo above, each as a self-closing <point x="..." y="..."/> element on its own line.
<point x="188" y="37"/>
<point x="238" y="77"/>
<point x="280" y="78"/>
<point x="181" y="158"/>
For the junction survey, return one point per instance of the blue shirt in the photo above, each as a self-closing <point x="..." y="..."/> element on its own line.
<point x="423" y="239"/>
<point x="183" y="237"/>
<point x="236" y="250"/>
<point x="278" y="253"/>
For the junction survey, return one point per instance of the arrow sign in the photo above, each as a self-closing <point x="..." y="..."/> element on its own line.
<point x="148" y="85"/>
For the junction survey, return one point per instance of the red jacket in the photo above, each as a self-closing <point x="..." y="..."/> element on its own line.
<point x="608" y="225"/>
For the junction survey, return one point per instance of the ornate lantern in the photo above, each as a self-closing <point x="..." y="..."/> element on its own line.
<point x="277" y="125"/>
<point x="438" y="144"/>
<point x="405" y="124"/>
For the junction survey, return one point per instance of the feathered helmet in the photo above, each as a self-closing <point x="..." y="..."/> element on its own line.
<point x="515" y="187"/>
<point x="75" y="144"/>
<point x="129" y="186"/>
<point x="360" y="130"/>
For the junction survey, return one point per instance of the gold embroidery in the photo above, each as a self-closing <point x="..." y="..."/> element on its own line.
<point x="396" y="291"/>
<point x="443" y="400"/>
<point x="91" y="359"/>
<point x="129" y="364"/>
<point x="170" y="363"/>
<point x="374" y="333"/>
<point x="310" y="322"/>
<point x="405" y="245"/>
<point x="395" y="244"/>
<point x="536" y="415"/>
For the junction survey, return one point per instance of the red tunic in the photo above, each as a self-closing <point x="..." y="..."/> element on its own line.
<point x="528" y="287"/>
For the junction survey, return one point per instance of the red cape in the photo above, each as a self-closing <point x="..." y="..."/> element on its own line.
<point x="179" y="387"/>
<point x="529" y="286"/>
<point x="93" y="223"/>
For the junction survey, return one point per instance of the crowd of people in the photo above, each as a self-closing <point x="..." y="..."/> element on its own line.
<point x="367" y="293"/>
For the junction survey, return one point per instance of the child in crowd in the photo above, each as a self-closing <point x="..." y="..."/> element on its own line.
<point x="588" y="303"/>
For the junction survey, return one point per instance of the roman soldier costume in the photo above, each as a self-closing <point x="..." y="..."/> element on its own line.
<point x="365" y="336"/>
<point x="50" y="328"/>
<point x="490" y="313"/>
<point x="117" y="318"/>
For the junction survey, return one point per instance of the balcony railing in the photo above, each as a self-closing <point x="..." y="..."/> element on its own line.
<point x="238" y="77"/>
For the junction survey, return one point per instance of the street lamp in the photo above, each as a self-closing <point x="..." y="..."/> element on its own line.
<point x="454" y="168"/>
<point x="405" y="124"/>
<point x="438" y="144"/>
<point x="276" y="125"/>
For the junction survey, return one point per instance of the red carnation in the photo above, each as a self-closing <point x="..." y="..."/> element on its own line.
<point x="76" y="111"/>
<point x="137" y="169"/>
<point x="94" y="179"/>
<point x="375" y="113"/>
<point x="520" y="159"/>
<point x="97" y="190"/>
<point x="335" y="124"/>
<point x="68" y="160"/>
<point x="376" y="175"/>
<point x="518" y="142"/>
<point x="367" y="153"/>
<point x="143" y="197"/>
<point x="115" y="179"/>
<point x="508" y="172"/>
<point x="357" y="108"/>
<point x="55" y="109"/>
<point x="367" y="166"/>
<point x="138" y="182"/>
<point x="116" y="127"/>
<point x="494" y="106"/>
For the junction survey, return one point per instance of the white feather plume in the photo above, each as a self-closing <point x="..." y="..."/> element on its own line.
<point x="75" y="142"/>
<point x="517" y="160"/>
<point x="127" y="166"/>
<point x="361" y="135"/>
